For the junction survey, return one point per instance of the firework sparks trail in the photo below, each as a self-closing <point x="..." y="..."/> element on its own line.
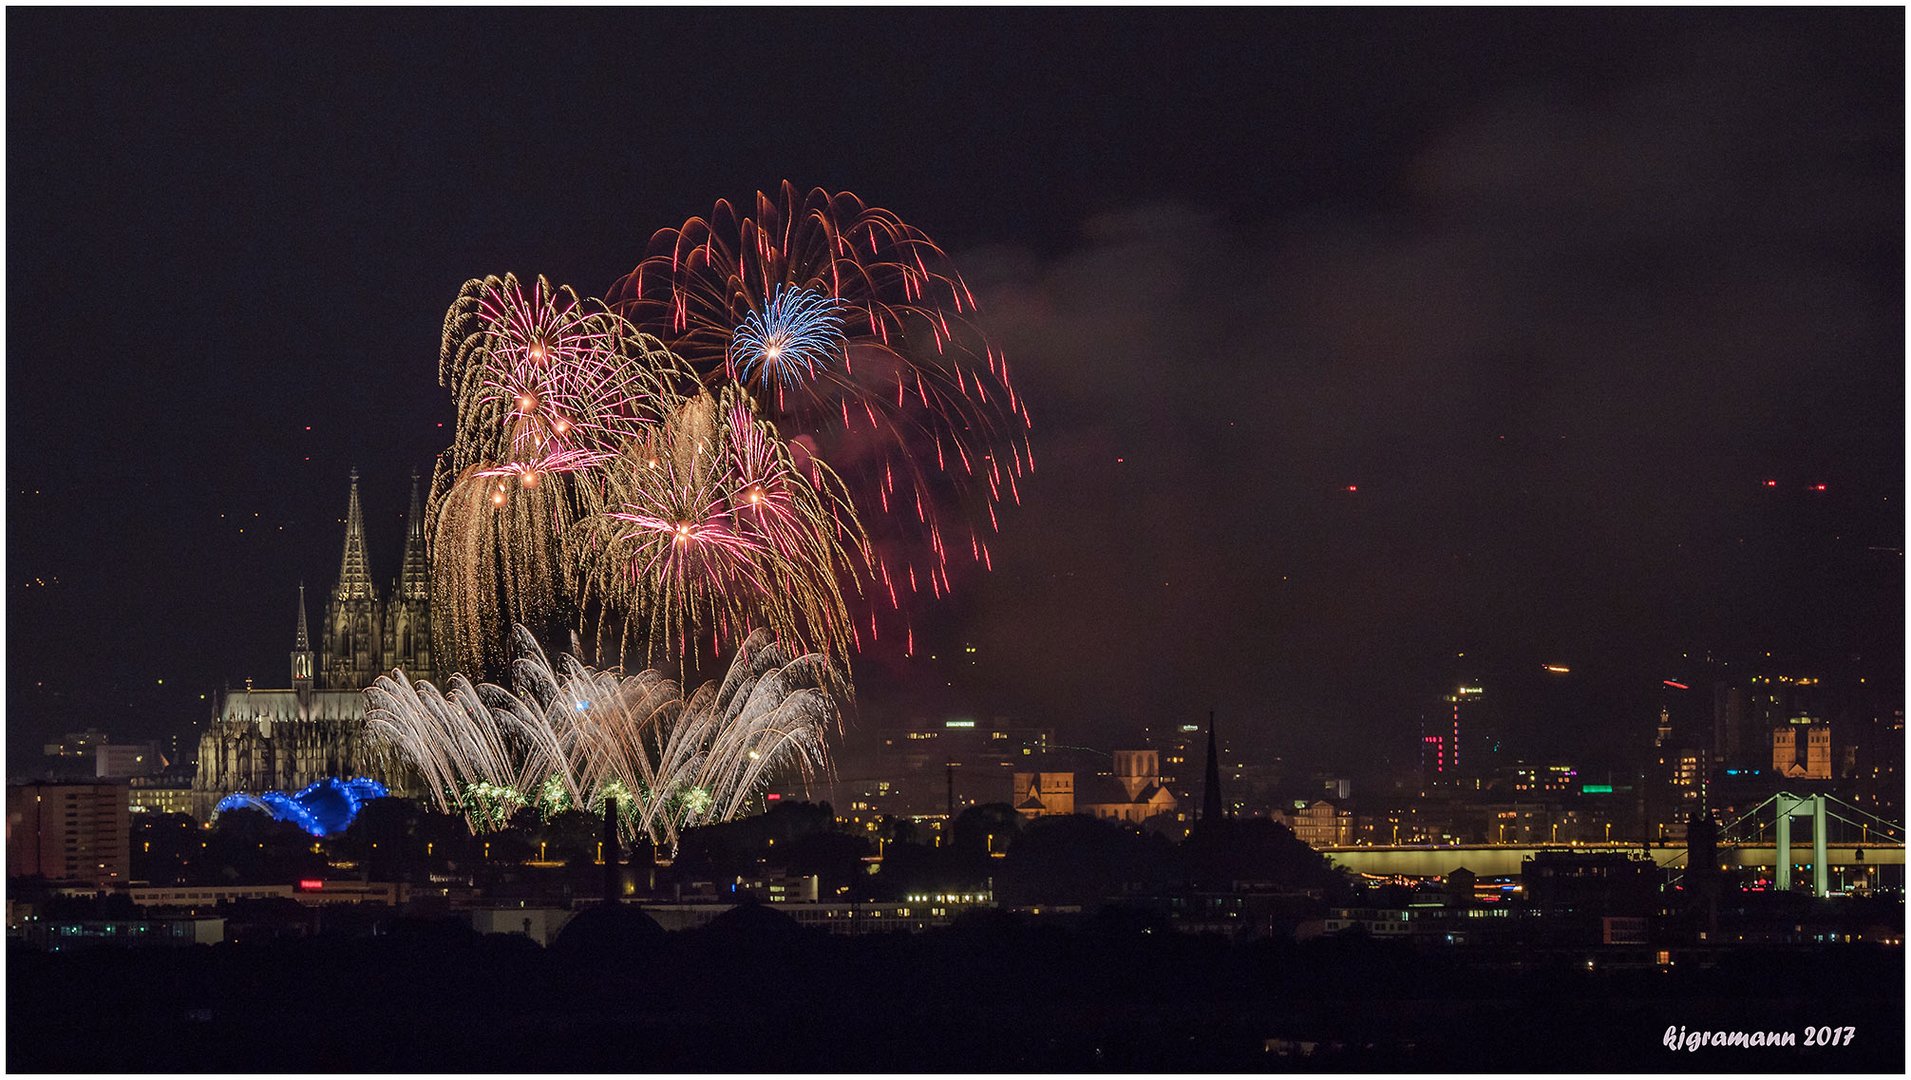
<point x="708" y="527"/>
<point x="909" y="405"/>
<point x="570" y="735"/>
<point x="549" y="388"/>
<point x="798" y="333"/>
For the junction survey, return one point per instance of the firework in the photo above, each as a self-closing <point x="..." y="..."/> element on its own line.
<point x="798" y="334"/>
<point x="707" y="530"/>
<point x="855" y="331"/>
<point x="570" y="735"/>
<point x="549" y="388"/>
<point x="548" y="382"/>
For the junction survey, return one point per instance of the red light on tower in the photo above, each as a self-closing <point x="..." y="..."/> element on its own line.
<point x="1818" y="487"/>
<point x="1771" y="483"/>
<point x="1353" y="487"/>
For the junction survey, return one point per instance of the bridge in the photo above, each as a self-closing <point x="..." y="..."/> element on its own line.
<point x="1503" y="860"/>
<point x="1759" y="839"/>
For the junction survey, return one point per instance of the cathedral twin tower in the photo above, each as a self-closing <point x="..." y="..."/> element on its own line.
<point x="361" y="638"/>
<point x="285" y="739"/>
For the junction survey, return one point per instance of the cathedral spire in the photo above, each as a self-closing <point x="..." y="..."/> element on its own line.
<point x="354" y="570"/>
<point x="303" y="641"/>
<point x="302" y="650"/>
<point x="414" y="573"/>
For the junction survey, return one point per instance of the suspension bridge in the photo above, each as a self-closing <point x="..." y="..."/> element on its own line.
<point x="1844" y="841"/>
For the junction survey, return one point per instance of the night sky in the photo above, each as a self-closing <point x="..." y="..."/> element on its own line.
<point x="1556" y="292"/>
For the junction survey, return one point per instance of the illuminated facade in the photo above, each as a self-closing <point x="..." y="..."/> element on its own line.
<point x="361" y="638"/>
<point x="1815" y="761"/>
<point x="288" y="739"/>
<point x="1134" y="794"/>
<point x="69" y="832"/>
<point x="1319" y="823"/>
<point x="155" y="795"/>
<point x="1041" y="794"/>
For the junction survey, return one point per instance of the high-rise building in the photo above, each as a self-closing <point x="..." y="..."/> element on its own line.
<point x="1440" y="737"/>
<point x="78" y="833"/>
<point x="1736" y="742"/>
<point x="1433" y="759"/>
<point x="1464" y="701"/>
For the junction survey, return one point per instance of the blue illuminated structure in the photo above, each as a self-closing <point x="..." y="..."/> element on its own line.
<point x="324" y="808"/>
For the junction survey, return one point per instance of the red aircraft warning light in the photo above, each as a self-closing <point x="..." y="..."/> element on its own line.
<point x="1818" y="487"/>
<point x="1771" y="483"/>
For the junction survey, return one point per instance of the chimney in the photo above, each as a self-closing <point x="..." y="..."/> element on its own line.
<point x="612" y="857"/>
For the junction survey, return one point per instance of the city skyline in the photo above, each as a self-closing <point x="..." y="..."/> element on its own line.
<point x="1375" y="449"/>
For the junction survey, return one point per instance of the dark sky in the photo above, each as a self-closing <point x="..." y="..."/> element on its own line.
<point x="1556" y="291"/>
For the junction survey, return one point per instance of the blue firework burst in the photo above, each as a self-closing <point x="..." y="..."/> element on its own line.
<point x="798" y="333"/>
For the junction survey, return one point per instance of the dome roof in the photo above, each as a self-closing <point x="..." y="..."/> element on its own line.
<point x="606" y="930"/>
<point x="754" y="919"/>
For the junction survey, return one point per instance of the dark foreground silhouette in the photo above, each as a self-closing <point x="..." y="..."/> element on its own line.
<point x="753" y="992"/>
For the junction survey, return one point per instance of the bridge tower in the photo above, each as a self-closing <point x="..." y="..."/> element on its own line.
<point x="1788" y="806"/>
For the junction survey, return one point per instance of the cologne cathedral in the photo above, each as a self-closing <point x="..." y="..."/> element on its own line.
<point x="284" y="739"/>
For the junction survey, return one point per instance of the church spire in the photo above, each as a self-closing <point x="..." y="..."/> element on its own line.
<point x="414" y="573"/>
<point x="302" y="650"/>
<point x="1211" y="785"/>
<point x="354" y="570"/>
<point x="302" y="642"/>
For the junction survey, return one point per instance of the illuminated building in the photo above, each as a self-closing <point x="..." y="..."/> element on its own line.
<point x="1463" y="699"/>
<point x="79" y="745"/>
<point x="69" y="832"/>
<point x="1043" y="794"/>
<point x="1176" y="744"/>
<point x="1544" y="779"/>
<point x="287" y="739"/>
<point x="1433" y="759"/>
<point x="923" y="761"/>
<point x="1134" y="793"/>
<point x="159" y="795"/>
<point x="360" y="638"/>
<point x="1815" y="761"/>
<point x="69" y="935"/>
<point x="119" y="761"/>
<point x="310" y="892"/>
<point x="1319" y="823"/>
<point x="1591" y="882"/>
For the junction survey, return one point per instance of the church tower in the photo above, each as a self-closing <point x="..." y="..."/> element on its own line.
<point x="1212" y="807"/>
<point x="353" y="616"/>
<point x="302" y="650"/>
<point x="407" y="637"/>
